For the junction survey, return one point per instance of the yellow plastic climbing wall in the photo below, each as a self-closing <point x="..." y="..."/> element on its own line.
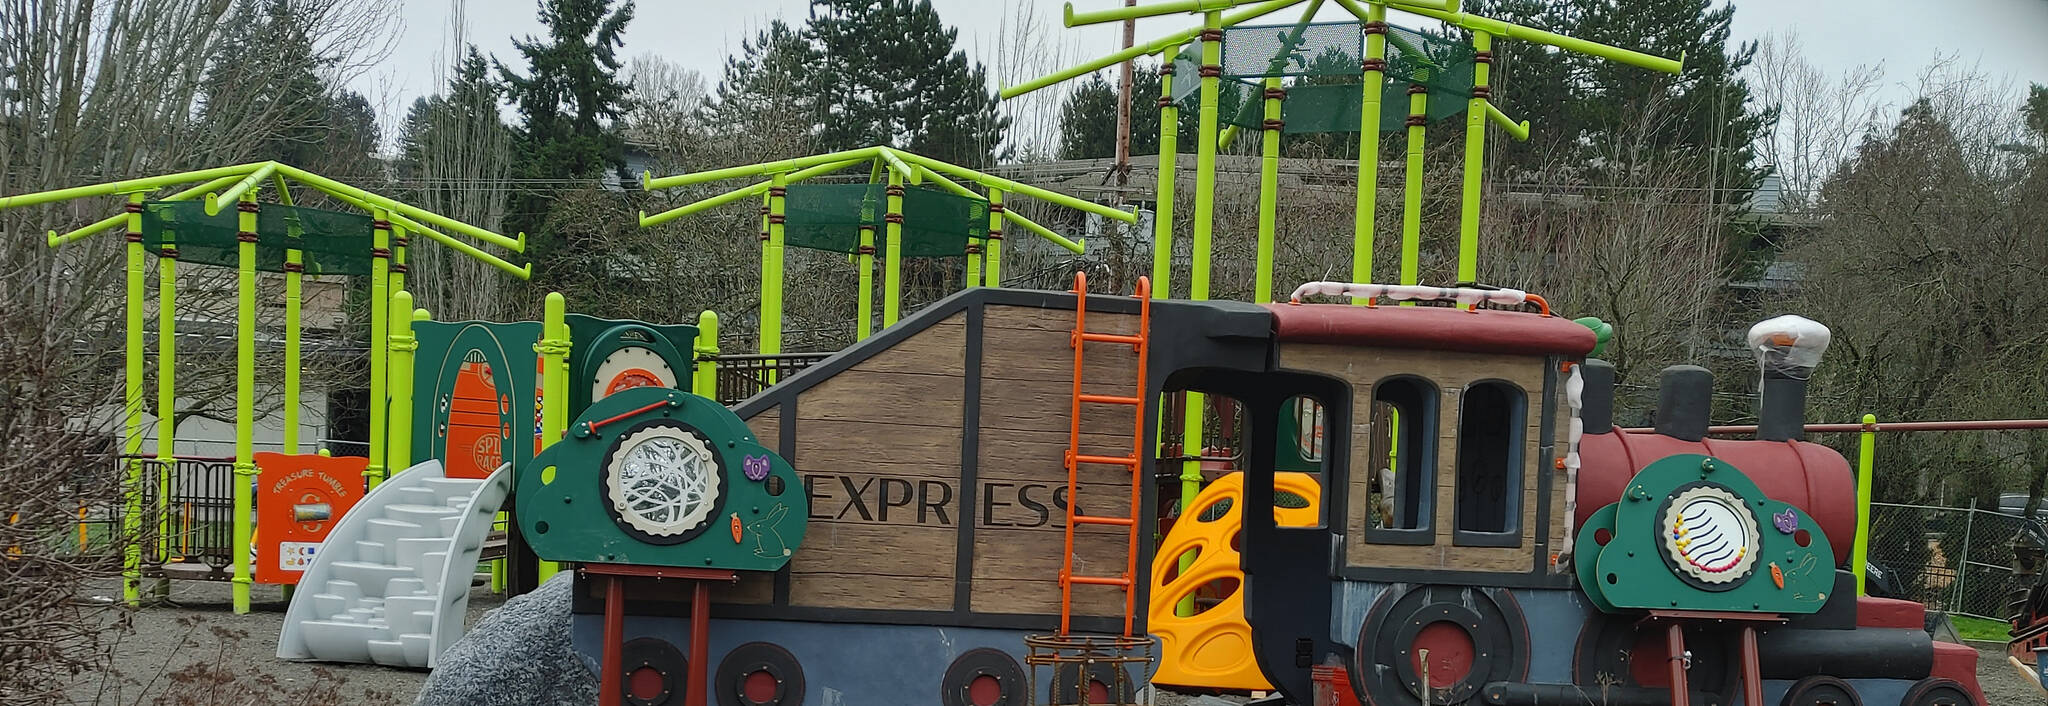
<point x="1212" y="648"/>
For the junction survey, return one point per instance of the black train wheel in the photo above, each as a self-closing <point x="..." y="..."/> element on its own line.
<point x="652" y="672"/>
<point x="759" y="674"/>
<point x="1473" y="635"/>
<point x="1104" y="686"/>
<point x="1617" y="650"/>
<point x="984" y="677"/>
<point x="1936" y="691"/>
<point x="1821" y="691"/>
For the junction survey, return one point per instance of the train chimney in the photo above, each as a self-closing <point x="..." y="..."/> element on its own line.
<point x="1787" y="349"/>
<point x="1596" y="407"/>
<point x="1685" y="397"/>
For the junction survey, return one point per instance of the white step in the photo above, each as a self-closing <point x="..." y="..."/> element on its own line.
<point x="398" y="595"/>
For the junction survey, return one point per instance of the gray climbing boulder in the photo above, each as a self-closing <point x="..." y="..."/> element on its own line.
<point x="517" y="655"/>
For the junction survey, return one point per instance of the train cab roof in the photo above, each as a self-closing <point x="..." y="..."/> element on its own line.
<point x="1432" y="328"/>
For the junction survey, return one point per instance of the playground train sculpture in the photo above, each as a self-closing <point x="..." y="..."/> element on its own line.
<point x="944" y="512"/>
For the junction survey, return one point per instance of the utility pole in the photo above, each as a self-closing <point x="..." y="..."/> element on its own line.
<point x="1123" y="104"/>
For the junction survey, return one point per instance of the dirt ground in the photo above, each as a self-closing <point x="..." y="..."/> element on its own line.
<point x="195" y="650"/>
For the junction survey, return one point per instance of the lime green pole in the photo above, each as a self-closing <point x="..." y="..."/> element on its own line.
<point x="1181" y="37"/>
<point x="245" y="396"/>
<point x="705" y="377"/>
<point x="127" y="186"/>
<point x="131" y="443"/>
<point x="166" y="391"/>
<point x="1169" y="158"/>
<point x="294" y="302"/>
<point x="118" y="219"/>
<point x="973" y="278"/>
<point x="1365" y="208"/>
<point x="402" y="345"/>
<point x="1475" y="157"/>
<point x="1198" y="275"/>
<point x="554" y="346"/>
<point x="866" y="259"/>
<point x="892" y="278"/>
<point x="380" y="307"/>
<point x="992" y="262"/>
<point x="1269" y="190"/>
<point x="767" y="275"/>
<point x="771" y="290"/>
<point x="1411" y="204"/>
<point x="1866" y="464"/>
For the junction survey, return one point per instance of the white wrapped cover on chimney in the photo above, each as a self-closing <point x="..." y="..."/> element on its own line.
<point x="1789" y="342"/>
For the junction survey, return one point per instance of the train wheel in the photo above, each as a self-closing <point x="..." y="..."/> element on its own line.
<point x="759" y="674"/>
<point x="1473" y="636"/>
<point x="1821" y="691"/>
<point x="653" y="672"/>
<point x="984" y="677"/>
<point x="1616" y="650"/>
<point x="1104" y="685"/>
<point x="1936" y="691"/>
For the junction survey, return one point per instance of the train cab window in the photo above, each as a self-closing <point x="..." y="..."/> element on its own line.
<point x="1492" y="421"/>
<point x="1297" y="489"/>
<point x="1403" y="462"/>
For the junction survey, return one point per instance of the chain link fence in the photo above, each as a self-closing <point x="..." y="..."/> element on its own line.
<point x="1953" y="559"/>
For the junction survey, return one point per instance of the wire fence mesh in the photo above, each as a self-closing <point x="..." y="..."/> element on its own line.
<point x="1953" y="559"/>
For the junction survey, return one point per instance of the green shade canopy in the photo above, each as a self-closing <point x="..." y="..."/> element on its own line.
<point x="830" y="216"/>
<point x="332" y="242"/>
<point x="1324" y="69"/>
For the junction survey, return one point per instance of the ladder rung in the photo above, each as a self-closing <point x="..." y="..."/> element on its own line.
<point x="1100" y="580"/>
<point x="1110" y="460"/>
<point x="1100" y="520"/>
<point x="1111" y="399"/>
<point x="1113" y="338"/>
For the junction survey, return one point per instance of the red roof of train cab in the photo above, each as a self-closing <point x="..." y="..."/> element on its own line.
<point x="1431" y="328"/>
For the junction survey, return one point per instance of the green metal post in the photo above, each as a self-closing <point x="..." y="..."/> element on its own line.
<point x="1198" y="275"/>
<point x="892" y="279"/>
<point x="1169" y="158"/>
<point x="1866" y="464"/>
<point x="402" y="345"/>
<point x="131" y="442"/>
<point x="973" y="275"/>
<point x="1475" y="157"/>
<point x="166" y="392"/>
<point x="767" y="276"/>
<point x="380" y="308"/>
<point x="245" y="397"/>
<point x="771" y="289"/>
<point x="294" y="303"/>
<point x="992" y="262"/>
<point x="704" y="382"/>
<point x="1269" y="190"/>
<point x="555" y="346"/>
<point x="866" y="258"/>
<point x="1365" y="209"/>
<point x="1411" y="204"/>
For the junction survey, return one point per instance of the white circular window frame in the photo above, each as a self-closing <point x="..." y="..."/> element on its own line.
<point x="696" y="474"/>
<point x="1746" y="524"/>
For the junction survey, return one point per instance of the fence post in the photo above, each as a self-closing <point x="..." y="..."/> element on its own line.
<point x="705" y="378"/>
<point x="1866" y="455"/>
<point x="1963" y="566"/>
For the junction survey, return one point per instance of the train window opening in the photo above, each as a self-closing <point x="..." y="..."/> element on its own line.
<point x="1403" y="461"/>
<point x="1301" y="446"/>
<point x="1492" y="416"/>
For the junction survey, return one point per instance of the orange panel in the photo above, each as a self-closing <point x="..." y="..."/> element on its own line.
<point x="299" y="497"/>
<point x="477" y="424"/>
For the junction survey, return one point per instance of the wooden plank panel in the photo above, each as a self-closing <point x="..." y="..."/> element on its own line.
<point x="1034" y="555"/>
<point x="940" y="349"/>
<point x="851" y="499"/>
<point x="752" y="588"/>
<point x="835" y="444"/>
<point x="767" y="427"/>
<point x="1047" y="405"/>
<point x="856" y="590"/>
<point x="890" y="397"/>
<point x="1019" y="596"/>
<point x="1044" y="319"/>
<point x="1040" y="456"/>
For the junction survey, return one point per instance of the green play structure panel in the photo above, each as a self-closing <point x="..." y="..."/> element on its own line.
<point x="659" y="477"/>
<point x="1694" y="533"/>
<point x="1323" y="68"/>
<point x="830" y="216"/>
<point x="610" y="355"/>
<point x="330" y="242"/>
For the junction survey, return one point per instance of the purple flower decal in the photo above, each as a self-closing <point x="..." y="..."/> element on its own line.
<point x="756" y="467"/>
<point x="1787" y="521"/>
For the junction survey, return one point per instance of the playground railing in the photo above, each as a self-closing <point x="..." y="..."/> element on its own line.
<point x="743" y="376"/>
<point x="188" y="512"/>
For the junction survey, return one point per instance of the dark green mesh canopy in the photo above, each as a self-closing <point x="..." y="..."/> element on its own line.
<point x="1322" y="71"/>
<point x="830" y="216"/>
<point x="331" y="242"/>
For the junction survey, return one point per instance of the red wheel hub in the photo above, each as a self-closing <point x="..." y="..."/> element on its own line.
<point x="1450" y="653"/>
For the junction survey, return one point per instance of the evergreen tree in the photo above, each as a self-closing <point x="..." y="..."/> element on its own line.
<point x="766" y="102"/>
<point x="890" y="74"/>
<point x="266" y="75"/>
<point x="571" y="93"/>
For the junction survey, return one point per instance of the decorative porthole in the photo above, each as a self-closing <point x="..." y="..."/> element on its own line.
<point x="759" y="674"/>
<point x="661" y="482"/>
<point x="984" y="677"/>
<point x="1821" y="691"/>
<point x="1710" y="536"/>
<point x="654" y="672"/>
<point x="630" y="367"/>
<point x="1473" y="636"/>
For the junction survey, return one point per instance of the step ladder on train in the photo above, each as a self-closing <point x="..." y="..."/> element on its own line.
<point x="1091" y="669"/>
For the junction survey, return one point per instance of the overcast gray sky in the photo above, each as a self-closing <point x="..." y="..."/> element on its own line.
<point x="2003" y="36"/>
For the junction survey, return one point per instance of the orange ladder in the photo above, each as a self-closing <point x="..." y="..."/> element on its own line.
<point x="1139" y="344"/>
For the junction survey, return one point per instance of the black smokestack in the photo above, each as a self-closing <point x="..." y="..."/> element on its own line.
<point x="1685" y="396"/>
<point x="1781" y="412"/>
<point x="1787" y="349"/>
<point x="1596" y="401"/>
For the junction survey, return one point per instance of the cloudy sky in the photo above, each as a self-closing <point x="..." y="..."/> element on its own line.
<point x="2002" y="36"/>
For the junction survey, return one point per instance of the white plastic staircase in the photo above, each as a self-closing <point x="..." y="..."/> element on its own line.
<point x="390" y="584"/>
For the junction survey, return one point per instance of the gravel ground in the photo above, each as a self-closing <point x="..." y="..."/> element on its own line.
<point x="197" y="651"/>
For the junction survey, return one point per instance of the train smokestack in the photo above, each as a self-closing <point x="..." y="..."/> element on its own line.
<point x="1685" y="397"/>
<point x="1596" y="407"/>
<point x="1787" y="349"/>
